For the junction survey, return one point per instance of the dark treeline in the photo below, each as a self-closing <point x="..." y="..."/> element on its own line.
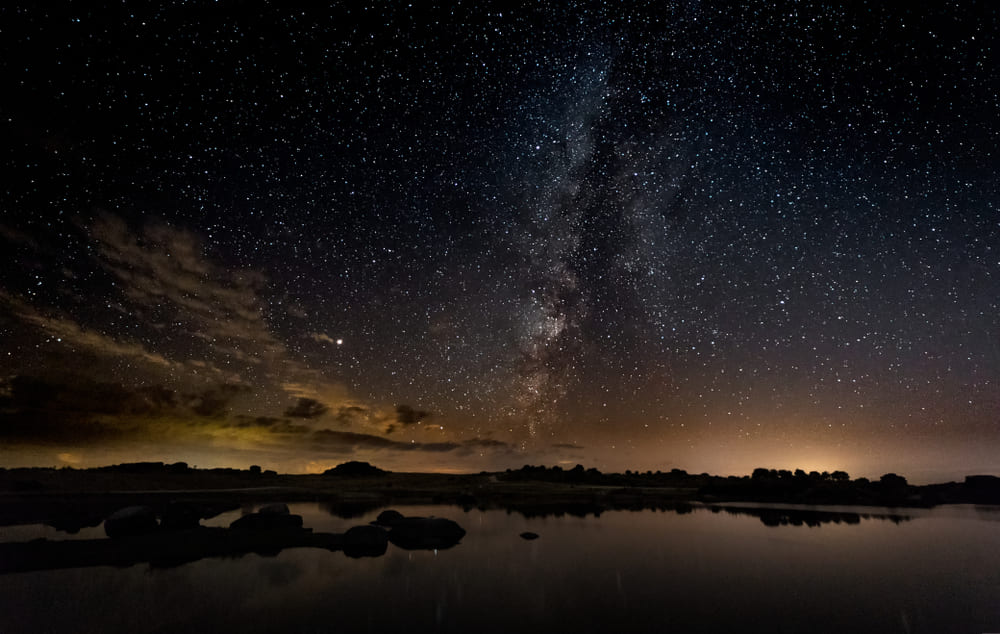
<point x="763" y="485"/>
<point x="778" y="485"/>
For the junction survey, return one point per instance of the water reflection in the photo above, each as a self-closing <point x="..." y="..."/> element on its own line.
<point x="768" y="515"/>
<point x="807" y="517"/>
<point x="702" y="569"/>
<point x="260" y="530"/>
<point x="266" y="532"/>
<point x="351" y="509"/>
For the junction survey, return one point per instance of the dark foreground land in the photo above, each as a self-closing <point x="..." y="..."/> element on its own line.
<point x="361" y="484"/>
<point x="165" y="504"/>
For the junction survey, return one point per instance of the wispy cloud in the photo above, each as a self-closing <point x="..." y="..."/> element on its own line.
<point x="68" y="332"/>
<point x="171" y="302"/>
<point x="164" y="271"/>
<point x="17" y="236"/>
<point x="322" y="338"/>
<point x="163" y="268"/>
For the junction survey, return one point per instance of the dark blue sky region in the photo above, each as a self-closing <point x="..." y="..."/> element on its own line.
<point x="446" y="236"/>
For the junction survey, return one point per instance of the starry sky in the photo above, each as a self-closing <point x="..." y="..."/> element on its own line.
<point x="700" y="235"/>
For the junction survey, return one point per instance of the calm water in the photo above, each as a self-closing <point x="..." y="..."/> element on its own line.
<point x="647" y="571"/>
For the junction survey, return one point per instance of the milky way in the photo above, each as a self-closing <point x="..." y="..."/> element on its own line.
<point x="691" y="235"/>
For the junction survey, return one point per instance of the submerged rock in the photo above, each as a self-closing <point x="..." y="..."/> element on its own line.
<point x="267" y="522"/>
<point x="130" y="521"/>
<point x="529" y="535"/>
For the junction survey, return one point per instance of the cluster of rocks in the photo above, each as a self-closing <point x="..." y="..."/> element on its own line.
<point x="367" y="540"/>
<point x="172" y="535"/>
<point x="410" y="533"/>
<point x="175" y="516"/>
<point x="419" y="532"/>
<point x="268" y="518"/>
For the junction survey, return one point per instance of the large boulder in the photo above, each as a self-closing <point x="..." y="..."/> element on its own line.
<point x="180" y="516"/>
<point x="389" y="517"/>
<point x="365" y="541"/>
<point x="425" y="533"/>
<point x="130" y="521"/>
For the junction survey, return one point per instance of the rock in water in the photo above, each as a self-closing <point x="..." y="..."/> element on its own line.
<point x="365" y="541"/>
<point x="131" y="520"/>
<point x="267" y="522"/>
<point x="389" y="517"/>
<point x="180" y="516"/>
<point x="425" y="533"/>
<point x="529" y="535"/>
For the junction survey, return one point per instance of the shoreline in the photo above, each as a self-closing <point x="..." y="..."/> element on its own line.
<point x="71" y="499"/>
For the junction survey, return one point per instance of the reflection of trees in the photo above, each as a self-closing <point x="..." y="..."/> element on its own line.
<point x="352" y="509"/>
<point x="767" y="516"/>
<point x="807" y="517"/>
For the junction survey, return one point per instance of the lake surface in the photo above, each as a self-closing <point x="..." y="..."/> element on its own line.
<point x="747" y="568"/>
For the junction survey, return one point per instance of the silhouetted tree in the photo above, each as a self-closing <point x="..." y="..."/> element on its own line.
<point x="892" y="480"/>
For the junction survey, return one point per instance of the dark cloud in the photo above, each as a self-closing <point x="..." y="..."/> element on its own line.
<point x="15" y="235"/>
<point x="157" y="398"/>
<point x="77" y="410"/>
<point x="486" y="443"/>
<point x="350" y="415"/>
<point x="214" y="403"/>
<point x="406" y="415"/>
<point x="49" y="412"/>
<point x="565" y="445"/>
<point x="346" y="441"/>
<point x="258" y="421"/>
<point x="273" y="424"/>
<point x="38" y="427"/>
<point x="83" y="396"/>
<point x="307" y="408"/>
<point x="285" y="427"/>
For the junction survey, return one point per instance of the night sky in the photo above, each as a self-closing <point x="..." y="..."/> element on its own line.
<point x="692" y="234"/>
